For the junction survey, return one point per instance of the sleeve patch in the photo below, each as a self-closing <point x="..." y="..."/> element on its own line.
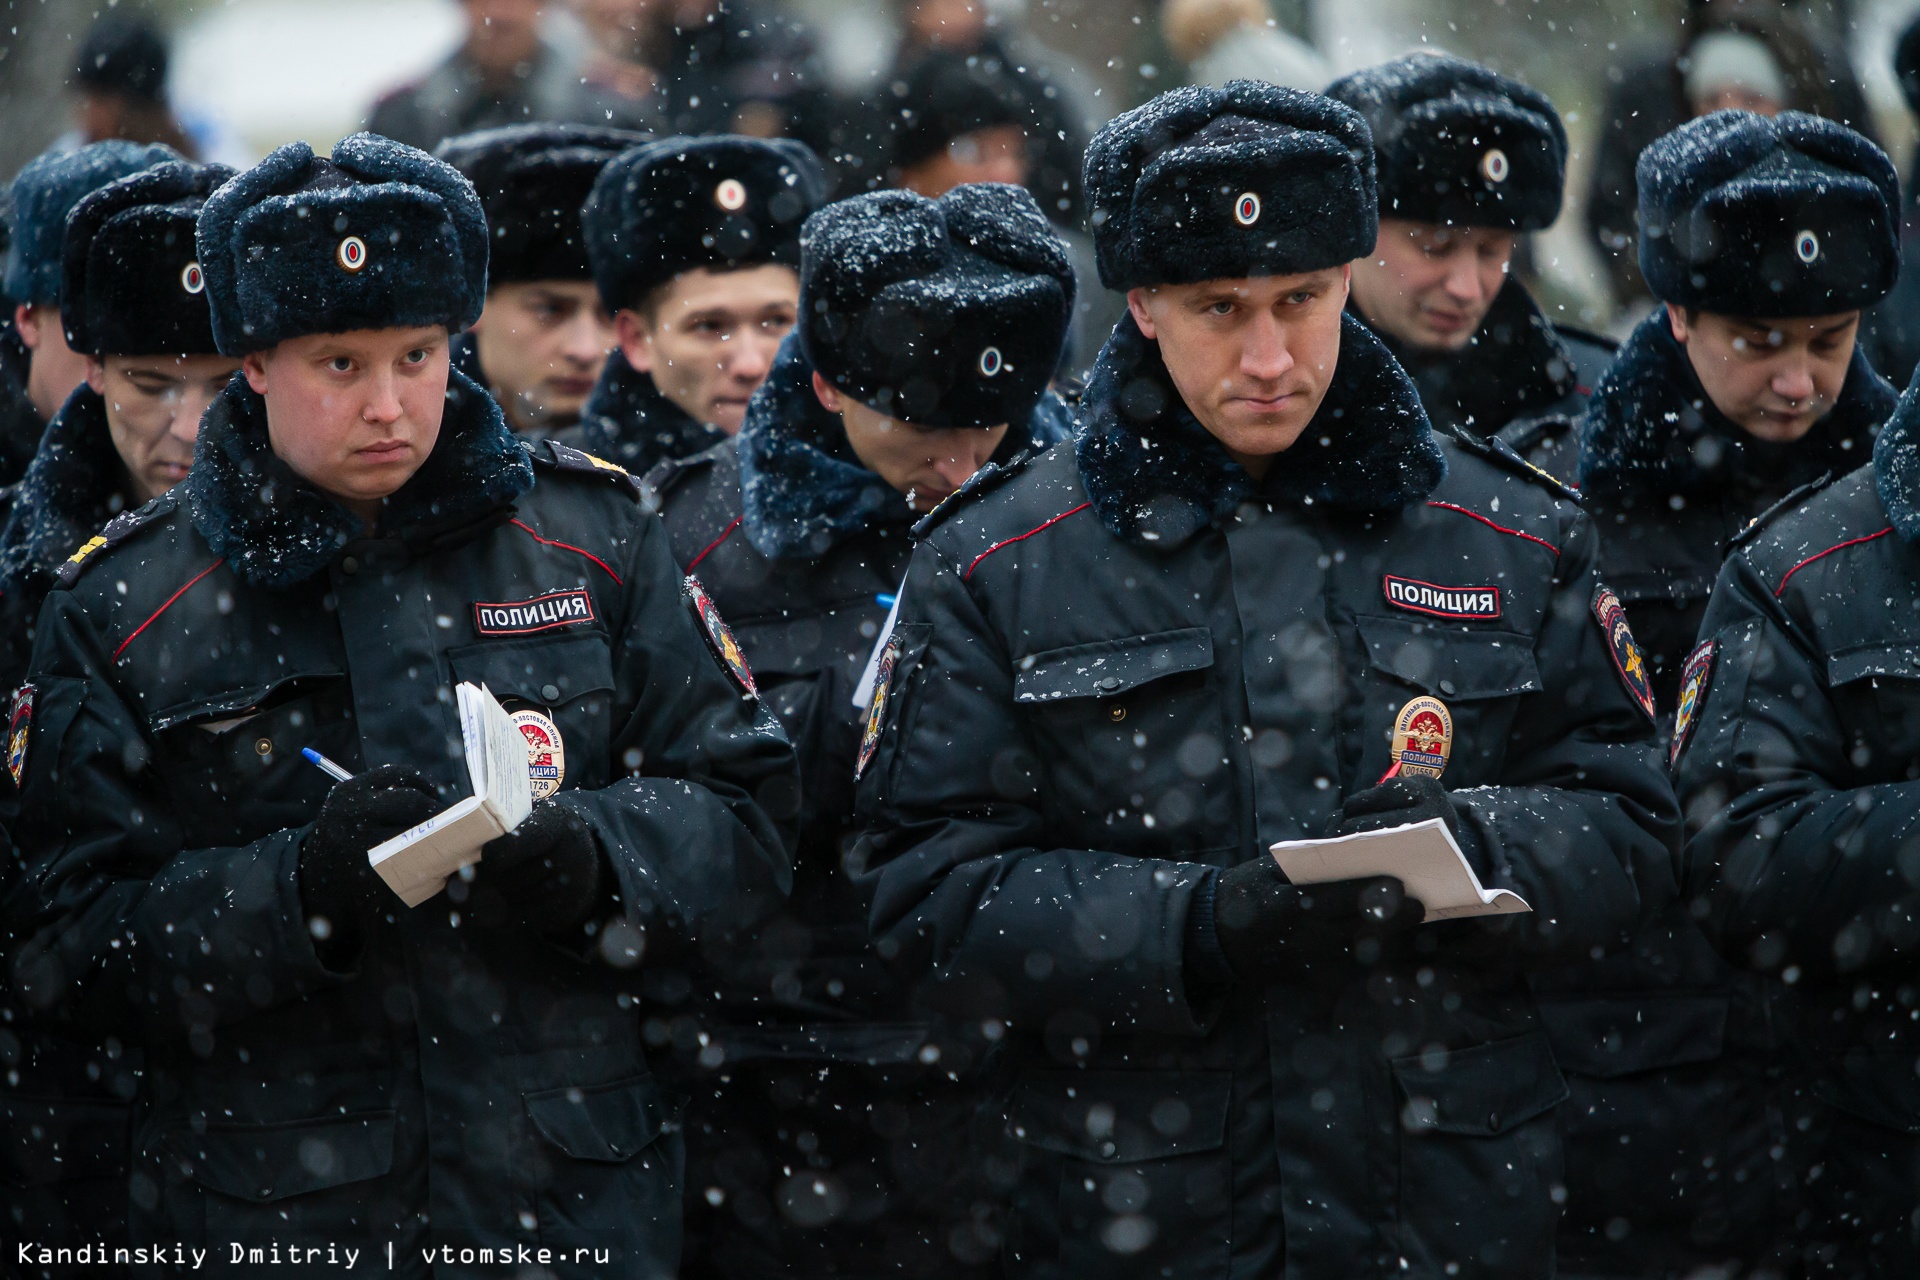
<point x="1696" y="678"/>
<point x="719" y="637"/>
<point x="19" y="727"/>
<point x="1628" y="661"/>
<point x="877" y="708"/>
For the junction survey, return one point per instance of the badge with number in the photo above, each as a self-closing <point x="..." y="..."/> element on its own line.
<point x="19" y="723"/>
<point x="1696" y="677"/>
<point x="877" y="709"/>
<point x="1627" y="658"/>
<point x="1423" y="738"/>
<point x="546" y="752"/>
<point x="720" y="637"/>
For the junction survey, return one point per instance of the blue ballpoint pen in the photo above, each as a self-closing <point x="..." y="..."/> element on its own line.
<point x="325" y="765"/>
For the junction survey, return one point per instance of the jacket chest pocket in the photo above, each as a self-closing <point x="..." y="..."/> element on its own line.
<point x="245" y="743"/>
<point x="566" y="679"/>
<point x="1879" y="687"/>
<point x="1130" y="737"/>
<point x="1480" y="675"/>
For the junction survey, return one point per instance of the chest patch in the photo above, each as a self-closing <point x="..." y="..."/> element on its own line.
<point x="1627" y="658"/>
<point x="546" y="751"/>
<point x="1468" y="603"/>
<point x="542" y="613"/>
<point x="1696" y="677"/>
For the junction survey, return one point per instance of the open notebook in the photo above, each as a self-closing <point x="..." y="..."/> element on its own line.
<point x="1422" y="854"/>
<point x="416" y="863"/>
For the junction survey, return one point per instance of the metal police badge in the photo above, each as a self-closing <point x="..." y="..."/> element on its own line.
<point x="1422" y="739"/>
<point x="1696" y="677"/>
<point x="1627" y="658"/>
<point x="720" y="637"/>
<point x="19" y="723"/>
<point x="546" y="751"/>
<point x="877" y="709"/>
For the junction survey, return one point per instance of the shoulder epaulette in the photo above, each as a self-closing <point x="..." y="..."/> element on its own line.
<point x="985" y="480"/>
<point x="117" y="531"/>
<point x="1501" y="454"/>
<point x="1793" y="499"/>
<point x="668" y="474"/>
<point x="1529" y="433"/>
<point x="1588" y="336"/>
<point x="567" y="458"/>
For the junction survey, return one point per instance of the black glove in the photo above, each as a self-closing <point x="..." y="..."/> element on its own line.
<point x="1269" y="929"/>
<point x="544" y="875"/>
<point x="337" y="884"/>
<point x="1397" y="802"/>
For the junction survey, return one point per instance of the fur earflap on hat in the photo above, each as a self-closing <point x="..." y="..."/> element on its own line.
<point x="1747" y="215"/>
<point x="1459" y="144"/>
<point x="532" y="180"/>
<point x="380" y="236"/>
<point x="679" y="203"/>
<point x="1251" y="179"/>
<point x="46" y="191"/>
<point x="131" y="281"/>
<point x="943" y="313"/>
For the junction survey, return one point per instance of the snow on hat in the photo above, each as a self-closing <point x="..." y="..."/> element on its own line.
<point x="1749" y="215"/>
<point x="44" y="194"/>
<point x="131" y="278"/>
<point x="1251" y="179"/>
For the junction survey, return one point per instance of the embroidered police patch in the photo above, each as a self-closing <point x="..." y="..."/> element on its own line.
<point x="542" y="613"/>
<point x="1627" y="658"/>
<point x="1466" y="603"/>
<point x="877" y="709"/>
<point x="1696" y="677"/>
<point x="19" y="723"/>
<point x="720" y="637"/>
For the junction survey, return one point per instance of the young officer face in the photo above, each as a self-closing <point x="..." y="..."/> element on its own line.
<point x="1771" y="378"/>
<point x="355" y="414"/>
<point x="154" y="405"/>
<point x="708" y="340"/>
<point x="924" y="463"/>
<point x="542" y="344"/>
<point x="1430" y="286"/>
<point x="55" y="369"/>
<point x="1252" y="358"/>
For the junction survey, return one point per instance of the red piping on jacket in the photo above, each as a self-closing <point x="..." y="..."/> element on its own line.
<point x="1491" y="525"/>
<point x="1838" y="546"/>
<point x="567" y="546"/>
<point x="1007" y="542"/>
<point x="724" y="535"/>
<point x="168" y="605"/>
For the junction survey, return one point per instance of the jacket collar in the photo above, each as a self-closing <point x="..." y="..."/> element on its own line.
<point x="276" y="530"/>
<point x="1155" y="475"/>
<point x="1514" y="365"/>
<point x="20" y="423"/>
<point x="803" y="491"/>
<point x="75" y="484"/>
<point x="1650" y="427"/>
<point x="628" y="421"/>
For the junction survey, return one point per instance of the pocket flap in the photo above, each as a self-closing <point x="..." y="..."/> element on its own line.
<point x="1608" y="1038"/>
<point x="1108" y="667"/>
<point x="1122" y="1117"/>
<point x="237" y="704"/>
<point x="1900" y="661"/>
<point x="1880" y="1088"/>
<point x="610" y="1123"/>
<point x="50" y="1140"/>
<point x="1483" y="1090"/>
<point x="547" y="670"/>
<point x="1451" y="661"/>
<point x="264" y="1163"/>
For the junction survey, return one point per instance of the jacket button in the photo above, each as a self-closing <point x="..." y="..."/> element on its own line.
<point x="264" y="747"/>
<point x="550" y="692"/>
<point x="1117" y="714"/>
<point x="1111" y="683"/>
<point x="1446" y="687"/>
<point x="349" y="565"/>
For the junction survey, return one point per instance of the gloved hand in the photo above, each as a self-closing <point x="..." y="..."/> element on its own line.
<point x="336" y="882"/>
<point x="1269" y="929"/>
<point x="543" y="876"/>
<point x="1397" y="802"/>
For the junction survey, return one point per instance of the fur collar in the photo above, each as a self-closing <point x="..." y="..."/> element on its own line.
<point x="1156" y="476"/>
<point x="1650" y="427"/>
<point x="626" y="420"/>
<point x="75" y="484"/>
<point x="276" y="530"/>
<point x="20" y="424"/>
<point x="1514" y="365"/>
<point x="1896" y="466"/>
<point x="802" y="489"/>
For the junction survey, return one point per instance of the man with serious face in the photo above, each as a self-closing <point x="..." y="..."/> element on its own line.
<point x="694" y="243"/>
<point x="359" y="533"/>
<point x="1124" y="669"/>
<point x="1469" y="161"/>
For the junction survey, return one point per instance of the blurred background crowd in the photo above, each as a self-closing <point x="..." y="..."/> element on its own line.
<point x="927" y="94"/>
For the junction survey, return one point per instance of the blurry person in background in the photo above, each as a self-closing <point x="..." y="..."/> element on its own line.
<point x="121" y="79"/>
<point x="1653" y="92"/>
<point x="1890" y="330"/>
<point x="1222" y="40"/>
<point x="503" y="73"/>
<point x="544" y="337"/>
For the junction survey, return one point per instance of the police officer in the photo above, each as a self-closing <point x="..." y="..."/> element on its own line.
<point x="37" y="368"/>
<point x="1121" y="672"/>
<point x="833" y="1118"/>
<point x="543" y="336"/>
<point x="359" y="532"/>
<point x="1468" y="160"/>
<point x="695" y="244"/>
